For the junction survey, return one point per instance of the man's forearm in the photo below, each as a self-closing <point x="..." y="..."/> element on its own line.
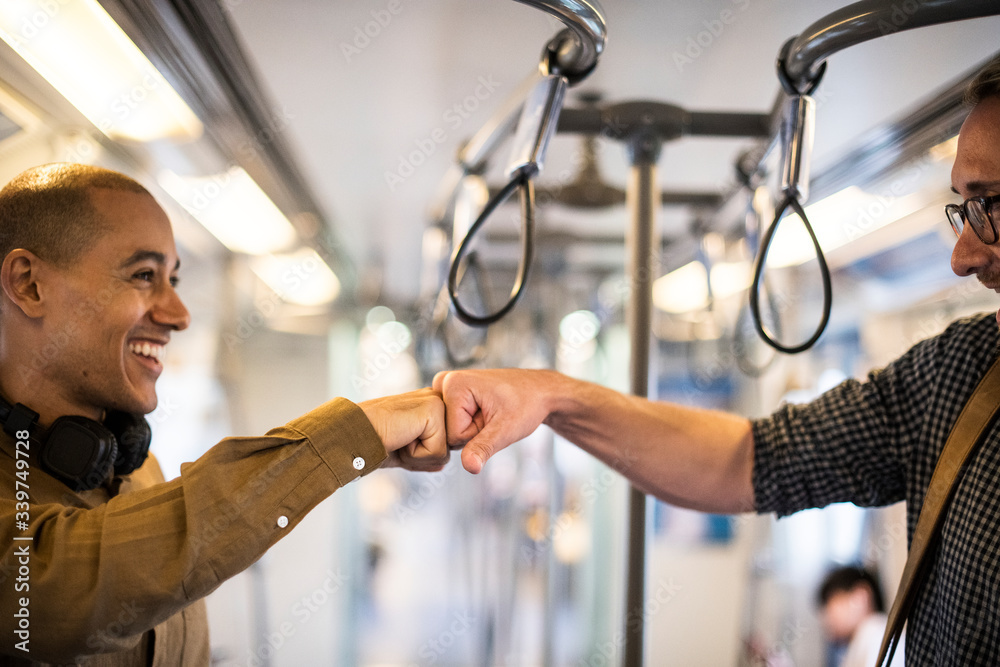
<point x="701" y="459"/>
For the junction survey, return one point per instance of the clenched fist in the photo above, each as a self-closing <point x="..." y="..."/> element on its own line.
<point x="412" y="428"/>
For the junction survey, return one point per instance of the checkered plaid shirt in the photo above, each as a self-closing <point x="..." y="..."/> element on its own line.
<point x="875" y="443"/>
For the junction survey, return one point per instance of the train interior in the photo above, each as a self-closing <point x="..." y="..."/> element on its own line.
<point x="309" y="157"/>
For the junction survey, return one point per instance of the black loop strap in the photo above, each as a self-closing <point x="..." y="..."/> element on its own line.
<point x="521" y="182"/>
<point x="476" y="352"/>
<point x="758" y="272"/>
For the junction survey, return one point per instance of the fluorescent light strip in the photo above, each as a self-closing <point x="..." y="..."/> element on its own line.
<point x="838" y="220"/>
<point x="87" y="57"/>
<point x="685" y="290"/>
<point x="234" y="208"/>
<point x="301" y="277"/>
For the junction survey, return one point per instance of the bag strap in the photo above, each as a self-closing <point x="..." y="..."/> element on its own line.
<point x="976" y="416"/>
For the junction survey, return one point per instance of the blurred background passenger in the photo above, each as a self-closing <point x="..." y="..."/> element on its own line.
<point x="854" y="618"/>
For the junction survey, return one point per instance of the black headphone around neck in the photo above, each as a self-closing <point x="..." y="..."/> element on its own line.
<point x="78" y="451"/>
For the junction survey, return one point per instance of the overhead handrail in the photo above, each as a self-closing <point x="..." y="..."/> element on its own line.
<point x="567" y="59"/>
<point x="573" y="54"/>
<point x="800" y="66"/>
<point x="574" y="58"/>
<point x="804" y="55"/>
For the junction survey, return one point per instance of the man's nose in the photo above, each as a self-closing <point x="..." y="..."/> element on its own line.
<point x="970" y="254"/>
<point x="171" y="311"/>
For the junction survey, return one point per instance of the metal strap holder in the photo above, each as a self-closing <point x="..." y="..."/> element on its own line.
<point x="795" y="136"/>
<point x="537" y="124"/>
<point x="567" y="58"/>
<point x="796" y="133"/>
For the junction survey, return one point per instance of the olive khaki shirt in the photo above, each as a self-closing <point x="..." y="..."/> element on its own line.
<point x="119" y="572"/>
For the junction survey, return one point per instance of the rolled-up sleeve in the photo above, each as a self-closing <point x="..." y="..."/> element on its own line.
<point x="842" y="447"/>
<point x="872" y="442"/>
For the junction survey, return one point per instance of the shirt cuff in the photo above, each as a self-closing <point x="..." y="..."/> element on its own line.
<point x="343" y="437"/>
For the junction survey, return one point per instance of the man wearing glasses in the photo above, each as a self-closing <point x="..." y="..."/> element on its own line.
<point x="870" y="443"/>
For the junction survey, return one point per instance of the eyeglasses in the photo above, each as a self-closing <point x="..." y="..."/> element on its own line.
<point x="979" y="212"/>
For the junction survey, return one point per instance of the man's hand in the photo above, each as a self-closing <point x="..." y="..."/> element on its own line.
<point x="412" y="428"/>
<point x="696" y="458"/>
<point x="489" y="410"/>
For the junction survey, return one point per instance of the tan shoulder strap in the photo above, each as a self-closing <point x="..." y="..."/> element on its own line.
<point x="972" y="423"/>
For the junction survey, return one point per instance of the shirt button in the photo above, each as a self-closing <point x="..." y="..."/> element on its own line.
<point x="359" y="463"/>
<point x="282" y="521"/>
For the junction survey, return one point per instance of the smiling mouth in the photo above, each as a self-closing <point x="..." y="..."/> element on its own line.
<point x="148" y="350"/>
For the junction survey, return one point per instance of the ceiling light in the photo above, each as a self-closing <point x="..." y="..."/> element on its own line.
<point x="682" y="290"/>
<point x="301" y="277"/>
<point x="686" y="289"/>
<point x="85" y="55"/>
<point x="577" y="336"/>
<point x="234" y="208"/>
<point x="729" y="278"/>
<point x="838" y="220"/>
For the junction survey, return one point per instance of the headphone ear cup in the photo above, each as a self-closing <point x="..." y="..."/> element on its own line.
<point x="79" y="452"/>
<point x="133" y="435"/>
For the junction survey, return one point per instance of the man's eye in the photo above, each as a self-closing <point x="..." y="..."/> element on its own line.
<point x="146" y="275"/>
<point x="174" y="281"/>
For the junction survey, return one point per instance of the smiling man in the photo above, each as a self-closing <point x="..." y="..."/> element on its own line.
<point x="100" y="555"/>
<point x="870" y="443"/>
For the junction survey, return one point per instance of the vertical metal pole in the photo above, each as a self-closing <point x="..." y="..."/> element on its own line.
<point x="643" y="200"/>
<point x="552" y="572"/>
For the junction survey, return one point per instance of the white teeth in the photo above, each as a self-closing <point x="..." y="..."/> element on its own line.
<point x="147" y="350"/>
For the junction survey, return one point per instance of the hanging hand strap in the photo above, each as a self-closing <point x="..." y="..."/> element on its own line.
<point x="975" y="418"/>
<point x="791" y="201"/>
<point x="520" y="181"/>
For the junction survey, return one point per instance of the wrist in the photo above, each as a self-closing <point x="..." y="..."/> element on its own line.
<point x="556" y="395"/>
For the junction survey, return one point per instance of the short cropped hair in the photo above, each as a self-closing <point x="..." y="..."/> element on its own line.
<point x="49" y="211"/>
<point x="847" y="578"/>
<point x="985" y="85"/>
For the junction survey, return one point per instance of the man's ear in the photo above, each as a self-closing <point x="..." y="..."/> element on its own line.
<point x="19" y="279"/>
